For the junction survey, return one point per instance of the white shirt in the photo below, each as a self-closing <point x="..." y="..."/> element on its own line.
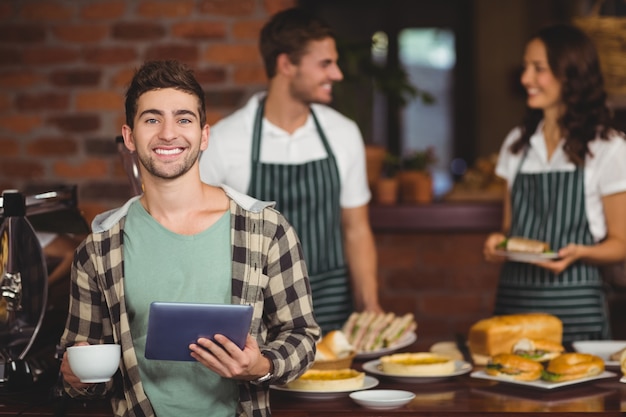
<point x="228" y="157"/>
<point x="605" y="171"/>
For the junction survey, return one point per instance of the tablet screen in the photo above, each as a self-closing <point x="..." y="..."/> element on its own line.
<point x="173" y="326"/>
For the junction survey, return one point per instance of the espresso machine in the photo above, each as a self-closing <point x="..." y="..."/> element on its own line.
<point x="24" y="282"/>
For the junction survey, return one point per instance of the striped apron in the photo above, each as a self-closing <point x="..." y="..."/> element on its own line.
<point x="308" y="196"/>
<point x="550" y="206"/>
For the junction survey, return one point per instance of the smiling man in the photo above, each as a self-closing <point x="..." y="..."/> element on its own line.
<point x="186" y="241"/>
<point x="287" y="145"/>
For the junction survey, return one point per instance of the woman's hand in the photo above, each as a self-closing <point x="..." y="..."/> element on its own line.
<point x="489" y="249"/>
<point x="567" y="256"/>
<point x="228" y="360"/>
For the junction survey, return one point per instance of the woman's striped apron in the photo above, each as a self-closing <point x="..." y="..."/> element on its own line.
<point x="550" y="206"/>
<point x="308" y="196"/>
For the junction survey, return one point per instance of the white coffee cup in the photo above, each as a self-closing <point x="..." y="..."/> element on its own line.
<point x="94" y="363"/>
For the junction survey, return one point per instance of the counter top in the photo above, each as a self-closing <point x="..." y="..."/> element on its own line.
<point x="462" y="396"/>
<point x="438" y="216"/>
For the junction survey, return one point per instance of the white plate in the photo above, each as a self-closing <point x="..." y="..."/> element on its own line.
<point x="382" y="399"/>
<point x="527" y="257"/>
<point x="369" y="382"/>
<point x="540" y="384"/>
<point x="623" y="380"/>
<point x="407" y="340"/>
<point x="373" y="367"/>
<point x="601" y="348"/>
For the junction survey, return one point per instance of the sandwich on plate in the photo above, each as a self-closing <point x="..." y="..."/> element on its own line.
<point x="572" y="366"/>
<point x="514" y="367"/>
<point x="540" y="350"/>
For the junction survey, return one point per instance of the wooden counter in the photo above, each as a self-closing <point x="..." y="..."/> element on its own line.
<point x="462" y="396"/>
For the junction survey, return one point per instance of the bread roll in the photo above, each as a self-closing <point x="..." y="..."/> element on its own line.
<point x="328" y="380"/>
<point x="571" y="366"/>
<point x="498" y="334"/>
<point x="334" y="345"/>
<point x="417" y="364"/>
<point x="514" y="367"/>
<point x="622" y="362"/>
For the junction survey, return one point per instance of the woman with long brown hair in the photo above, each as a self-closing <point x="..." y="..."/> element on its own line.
<point x="565" y="167"/>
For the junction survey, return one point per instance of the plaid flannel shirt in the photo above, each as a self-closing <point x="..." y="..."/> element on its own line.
<point x="267" y="266"/>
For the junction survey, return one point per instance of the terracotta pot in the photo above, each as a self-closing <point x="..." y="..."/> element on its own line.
<point x="386" y="191"/>
<point x="416" y="187"/>
<point x="374" y="156"/>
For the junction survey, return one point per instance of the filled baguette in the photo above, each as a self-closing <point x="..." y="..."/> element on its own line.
<point x="514" y="367"/>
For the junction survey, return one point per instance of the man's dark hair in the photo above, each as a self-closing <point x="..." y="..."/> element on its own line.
<point x="289" y="32"/>
<point x="154" y="75"/>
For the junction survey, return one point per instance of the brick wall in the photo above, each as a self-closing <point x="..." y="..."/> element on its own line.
<point x="65" y="64"/>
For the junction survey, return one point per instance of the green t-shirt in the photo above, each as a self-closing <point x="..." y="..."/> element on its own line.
<point x="160" y="265"/>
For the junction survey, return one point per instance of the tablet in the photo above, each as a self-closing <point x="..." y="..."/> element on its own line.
<point x="173" y="326"/>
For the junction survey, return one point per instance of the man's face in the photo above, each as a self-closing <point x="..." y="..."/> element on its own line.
<point x="313" y="77"/>
<point x="167" y="136"/>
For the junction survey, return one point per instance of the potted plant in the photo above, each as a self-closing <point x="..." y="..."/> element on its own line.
<point x="416" y="184"/>
<point x="386" y="187"/>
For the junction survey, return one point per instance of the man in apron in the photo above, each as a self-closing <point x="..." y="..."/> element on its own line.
<point x="288" y="146"/>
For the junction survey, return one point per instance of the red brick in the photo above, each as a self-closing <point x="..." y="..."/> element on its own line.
<point x="122" y="78"/>
<point x="182" y="52"/>
<point x="19" y="79"/>
<point x="46" y="11"/>
<point x="199" y="30"/>
<point x="110" y="55"/>
<point x="224" y="98"/>
<point x="90" y="168"/>
<point x="6" y="102"/>
<point x="99" y="100"/>
<point x="210" y="75"/>
<point x="232" y="54"/>
<point x="450" y="304"/>
<point x="6" y="10"/>
<point x="20" y="123"/>
<point x="10" y="147"/>
<point x="76" y="122"/>
<point x="42" y="101"/>
<point x="214" y="116"/>
<point x="250" y="75"/>
<point x="248" y="29"/>
<point x="58" y="146"/>
<point x="165" y="9"/>
<point x="10" y="56"/>
<point x="275" y="6"/>
<point x="19" y="168"/>
<point x="81" y="33"/>
<point x="75" y="77"/>
<point x="22" y="33"/>
<point x="137" y="31"/>
<point x="49" y="55"/>
<point x="227" y="7"/>
<point x="104" y="10"/>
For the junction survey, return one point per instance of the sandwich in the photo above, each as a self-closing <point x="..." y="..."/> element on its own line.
<point x="417" y="364"/>
<point x="514" y="367"/>
<point x="540" y="350"/>
<point x="522" y="244"/>
<point x="617" y="356"/>
<point x="328" y="380"/>
<point x="369" y="331"/>
<point x="622" y="361"/>
<point x="571" y="366"/>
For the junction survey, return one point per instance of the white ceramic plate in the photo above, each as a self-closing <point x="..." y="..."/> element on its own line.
<point x="540" y="384"/>
<point x="369" y="382"/>
<point x="373" y="367"/>
<point x="407" y="340"/>
<point x="601" y="348"/>
<point x="623" y="380"/>
<point x="527" y="257"/>
<point x="382" y="399"/>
